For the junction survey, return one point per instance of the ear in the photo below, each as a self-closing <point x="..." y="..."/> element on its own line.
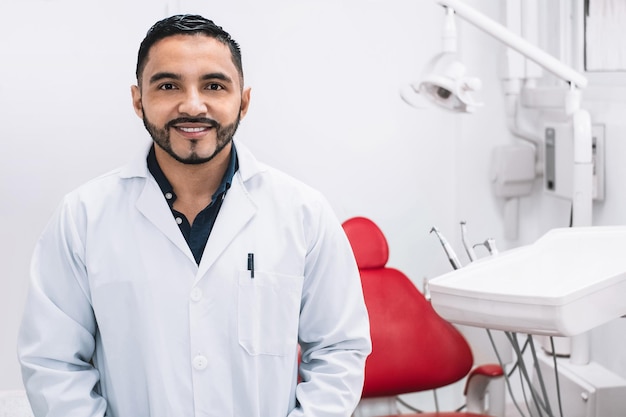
<point x="136" y="95"/>
<point x="245" y="102"/>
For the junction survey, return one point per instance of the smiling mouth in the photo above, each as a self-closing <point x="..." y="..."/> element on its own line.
<point x="192" y="129"/>
<point x="193" y="132"/>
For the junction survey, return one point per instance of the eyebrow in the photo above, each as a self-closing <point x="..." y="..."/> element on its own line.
<point x="216" y="76"/>
<point x="173" y="76"/>
<point x="164" y="75"/>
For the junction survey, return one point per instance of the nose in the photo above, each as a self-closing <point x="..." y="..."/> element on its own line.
<point x="193" y="104"/>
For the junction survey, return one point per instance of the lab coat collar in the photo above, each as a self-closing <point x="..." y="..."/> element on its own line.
<point x="237" y="209"/>
<point x="248" y="164"/>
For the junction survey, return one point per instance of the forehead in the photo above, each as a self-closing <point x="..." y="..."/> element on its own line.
<point x="182" y="54"/>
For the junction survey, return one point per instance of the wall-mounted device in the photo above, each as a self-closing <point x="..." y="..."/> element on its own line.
<point x="559" y="157"/>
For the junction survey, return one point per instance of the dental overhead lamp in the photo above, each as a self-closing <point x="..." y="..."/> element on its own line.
<point x="446" y="83"/>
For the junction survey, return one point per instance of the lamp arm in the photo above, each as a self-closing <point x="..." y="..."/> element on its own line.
<point x="516" y="42"/>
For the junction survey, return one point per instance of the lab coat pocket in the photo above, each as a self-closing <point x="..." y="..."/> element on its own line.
<point x="268" y="312"/>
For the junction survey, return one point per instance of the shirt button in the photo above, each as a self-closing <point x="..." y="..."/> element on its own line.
<point x="199" y="362"/>
<point x="179" y="220"/>
<point x="196" y="294"/>
<point x="168" y="196"/>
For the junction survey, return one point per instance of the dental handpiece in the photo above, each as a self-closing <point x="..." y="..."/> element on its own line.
<point x="454" y="261"/>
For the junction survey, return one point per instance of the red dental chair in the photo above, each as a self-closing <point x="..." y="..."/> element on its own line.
<point x="414" y="349"/>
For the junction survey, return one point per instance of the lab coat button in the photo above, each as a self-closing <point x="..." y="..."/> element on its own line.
<point x="196" y="294"/>
<point x="200" y="362"/>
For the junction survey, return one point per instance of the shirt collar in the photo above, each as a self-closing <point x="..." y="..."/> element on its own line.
<point x="166" y="187"/>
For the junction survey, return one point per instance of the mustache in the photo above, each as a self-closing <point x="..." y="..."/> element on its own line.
<point x="202" y="120"/>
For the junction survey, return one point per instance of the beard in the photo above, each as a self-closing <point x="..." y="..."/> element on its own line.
<point x="224" y="136"/>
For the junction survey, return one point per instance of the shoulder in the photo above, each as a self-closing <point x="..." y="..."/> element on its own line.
<point x="108" y="188"/>
<point x="287" y="200"/>
<point x="265" y="182"/>
<point x="103" y="187"/>
<point x="255" y="173"/>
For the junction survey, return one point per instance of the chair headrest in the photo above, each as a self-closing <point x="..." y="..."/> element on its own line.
<point x="368" y="242"/>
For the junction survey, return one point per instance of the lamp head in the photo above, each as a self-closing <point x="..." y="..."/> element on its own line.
<point x="447" y="85"/>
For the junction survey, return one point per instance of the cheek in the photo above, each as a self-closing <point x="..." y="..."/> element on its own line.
<point x="156" y="112"/>
<point x="228" y="111"/>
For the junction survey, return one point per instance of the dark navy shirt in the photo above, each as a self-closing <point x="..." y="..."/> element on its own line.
<point x="196" y="234"/>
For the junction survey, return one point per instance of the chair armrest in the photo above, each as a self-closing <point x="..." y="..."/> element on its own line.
<point x="476" y="386"/>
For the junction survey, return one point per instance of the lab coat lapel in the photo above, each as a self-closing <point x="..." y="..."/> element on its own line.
<point x="153" y="206"/>
<point x="236" y="211"/>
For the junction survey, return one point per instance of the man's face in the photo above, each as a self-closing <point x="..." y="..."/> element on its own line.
<point x="190" y="97"/>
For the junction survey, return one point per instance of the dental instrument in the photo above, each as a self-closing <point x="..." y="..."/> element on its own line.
<point x="454" y="261"/>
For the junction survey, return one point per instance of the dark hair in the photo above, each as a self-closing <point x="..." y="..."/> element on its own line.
<point x="186" y="25"/>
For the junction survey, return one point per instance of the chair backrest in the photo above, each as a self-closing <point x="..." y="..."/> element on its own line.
<point x="414" y="349"/>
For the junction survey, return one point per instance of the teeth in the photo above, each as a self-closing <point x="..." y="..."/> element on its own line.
<point x="192" y="129"/>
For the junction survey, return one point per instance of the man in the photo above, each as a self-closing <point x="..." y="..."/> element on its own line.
<point x="185" y="283"/>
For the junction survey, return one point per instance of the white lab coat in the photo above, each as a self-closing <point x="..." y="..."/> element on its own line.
<point x="113" y="278"/>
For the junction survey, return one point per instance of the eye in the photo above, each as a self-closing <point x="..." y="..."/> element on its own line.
<point x="214" y="87"/>
<point x="167" y="86"/>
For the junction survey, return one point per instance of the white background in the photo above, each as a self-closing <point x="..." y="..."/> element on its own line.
<point x="325" y="76"/>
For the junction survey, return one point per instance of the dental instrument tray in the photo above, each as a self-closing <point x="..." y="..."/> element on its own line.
<point x="566" y="283"/>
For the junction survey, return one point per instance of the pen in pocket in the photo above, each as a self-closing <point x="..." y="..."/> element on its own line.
<point x="251" y="264"/>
